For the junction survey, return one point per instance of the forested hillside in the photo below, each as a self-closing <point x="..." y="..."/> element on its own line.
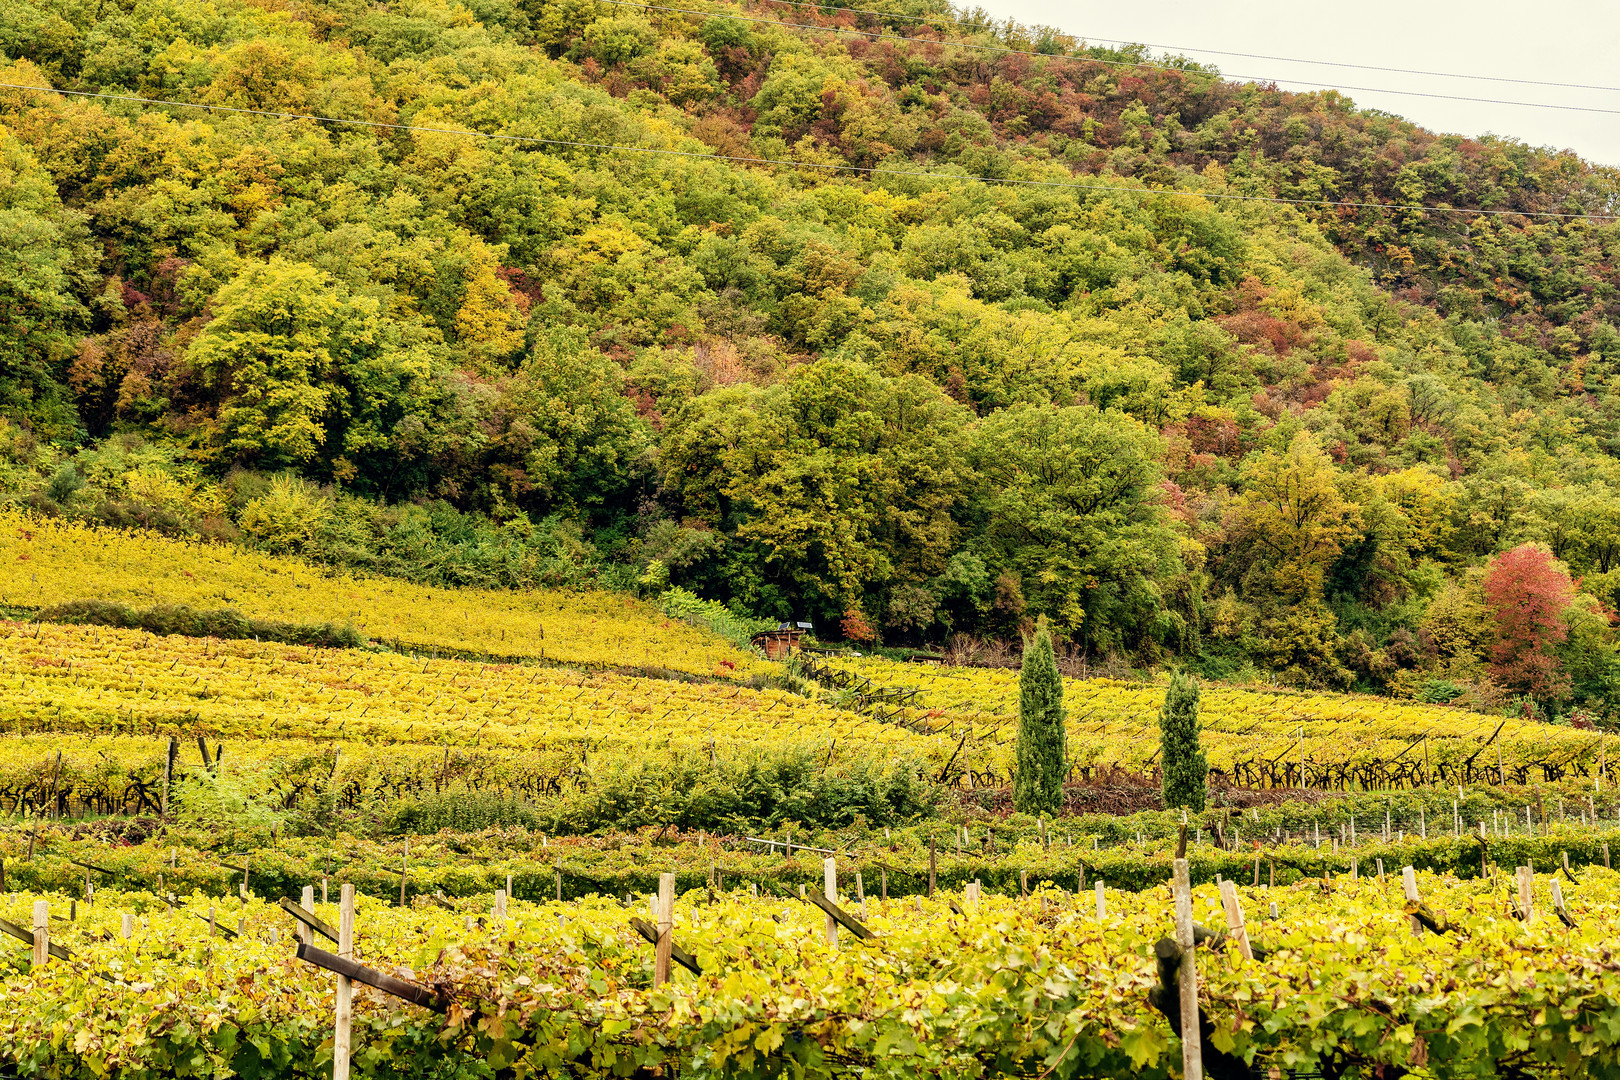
<point x="978" y="341"/>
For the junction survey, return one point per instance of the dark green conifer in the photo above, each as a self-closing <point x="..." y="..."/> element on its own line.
<point x="1186" y="769"/>
<point x="1042" y="755"/>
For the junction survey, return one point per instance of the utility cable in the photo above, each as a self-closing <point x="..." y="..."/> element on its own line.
<point x="788" y="163"/>
<point x="1187" y="49"/>
<point x="1003" y="51"/>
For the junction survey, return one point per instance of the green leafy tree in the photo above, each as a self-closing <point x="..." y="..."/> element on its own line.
<point x="307" y="375"/>
<point x="838" y="484"/>
<point x="1042" y="754"/>
<point x="1073" y="506"/>
<point x="1185" y="772"/>
<point x="42" y="257"/>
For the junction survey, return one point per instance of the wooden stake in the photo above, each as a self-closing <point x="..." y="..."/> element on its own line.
<point x="1102" y="902"/>
<point x="860" y="893"/>
<point x="829" y="889"/>
<point x="1192" y="1058"/>
<point x="665" y="923"/>
<point x="168" y="777"/>
<point x="307" y="902"/>
<point x="499" y="910"/>
<point x="1234" y="919"/>
<point x="1409" y="883"/>
<point x="42" y="932"/>
<point x="404" y="867"/>
<point x="126" y="925"/>
<point x="1526" y="896"/>
<point x="932" y="867"/>
<point x="345" y="988"/>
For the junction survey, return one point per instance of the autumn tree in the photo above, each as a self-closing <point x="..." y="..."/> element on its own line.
<point x="1527" y="594"/>
<point x="1291" y="520"/>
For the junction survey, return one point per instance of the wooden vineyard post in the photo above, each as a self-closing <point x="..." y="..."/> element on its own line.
<point x="1558" y="905"/>
<point x="1380" y="873"/>
<point x="345" y="988"/>
<point x="860" y="893"/>
<point x="1605" y="862"/>
<point x="404" y="867"/>
<point x="1102" y="902"/>
<point x="168" y="777"/>
<point x="829" y="889"/>
<point x="1234" y="919"/>
<point x="558" y="870"/>
<point x="307" y="902"/>
<point x="126" y="925"/>
<point x="883" y="870"/>
<point x="1409" y="884"/>
<point x="1526" y="897"/>
<point x="1192" y="1058"/>
<point x="499" y="908"/>
<point x="666" y="922"/>
<point x="42" y="932"/>
<point x="932" y="867"/>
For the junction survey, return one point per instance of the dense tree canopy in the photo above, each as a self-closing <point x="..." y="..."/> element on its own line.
<point x="1257" y="438"/>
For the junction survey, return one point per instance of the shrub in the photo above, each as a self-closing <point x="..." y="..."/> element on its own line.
<point x="224" y="623"/>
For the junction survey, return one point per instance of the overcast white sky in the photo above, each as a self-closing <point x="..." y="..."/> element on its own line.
<point x="1566" y="41"/>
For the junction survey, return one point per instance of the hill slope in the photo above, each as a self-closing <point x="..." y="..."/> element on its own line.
<point x="905" y="401"/>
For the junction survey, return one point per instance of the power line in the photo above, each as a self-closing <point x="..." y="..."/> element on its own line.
<point x="1360" y="67"/>
<point x="1212" y="52"/>
<point x="856" y="169"/>
<point x="1002" y="50"/>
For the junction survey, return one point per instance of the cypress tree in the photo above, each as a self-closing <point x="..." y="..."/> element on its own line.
<point x="1042" y="756"/>
<point x="1186" y="769"/>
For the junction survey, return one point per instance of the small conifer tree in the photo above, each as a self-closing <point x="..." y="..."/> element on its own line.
<point x="1042" y="755"/>
<point x="1186" y="769"/>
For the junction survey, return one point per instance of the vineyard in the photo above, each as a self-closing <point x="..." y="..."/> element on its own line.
<point x="45" y="563"/>
<point x="1332" y="975"/>
<point x="504" y="778"/>
<point x="1254" y="738"/>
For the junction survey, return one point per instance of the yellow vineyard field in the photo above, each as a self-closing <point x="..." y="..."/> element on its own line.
<point x="105" y="682"/>
<point x="1258" y="737"/>
<point x="48" y="562"/>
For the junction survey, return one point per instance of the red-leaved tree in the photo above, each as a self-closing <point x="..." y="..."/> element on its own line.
<point x="1527" y="594"/>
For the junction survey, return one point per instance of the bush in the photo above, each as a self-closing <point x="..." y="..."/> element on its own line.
<point x="224" y="623"/>
<point x="468" y="811"/>
<point x="794" y="786"/>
